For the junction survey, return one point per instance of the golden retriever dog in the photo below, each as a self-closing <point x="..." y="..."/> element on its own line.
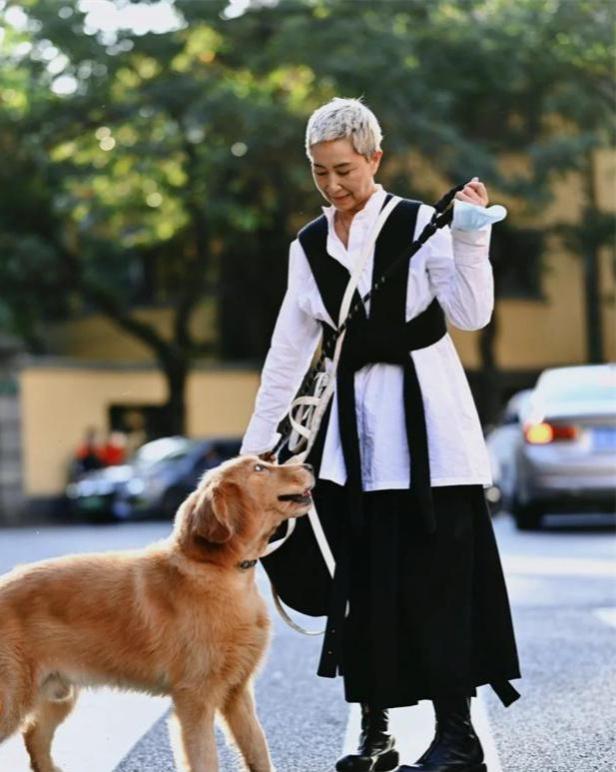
<point x="182" y="617"/>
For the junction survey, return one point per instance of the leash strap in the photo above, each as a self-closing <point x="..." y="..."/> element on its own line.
<point x="307" y="411"/>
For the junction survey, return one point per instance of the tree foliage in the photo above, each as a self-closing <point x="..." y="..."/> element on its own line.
<point x="167" y="167"/>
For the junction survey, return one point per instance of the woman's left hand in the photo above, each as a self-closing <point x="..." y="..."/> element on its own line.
<point x="474" y="192"/>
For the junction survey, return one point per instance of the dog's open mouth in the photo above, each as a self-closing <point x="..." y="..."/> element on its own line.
<point x="297" y="498"/>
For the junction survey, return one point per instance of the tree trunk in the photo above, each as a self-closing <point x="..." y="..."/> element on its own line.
<point x="174" y="409"/>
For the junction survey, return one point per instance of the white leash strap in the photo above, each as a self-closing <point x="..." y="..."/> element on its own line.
<point x="273" y="545"/>
<point x="283" y="613"/>
<point x="307" y="412"/>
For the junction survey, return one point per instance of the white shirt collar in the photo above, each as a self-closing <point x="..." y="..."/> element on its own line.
<point x="371" y="207"/>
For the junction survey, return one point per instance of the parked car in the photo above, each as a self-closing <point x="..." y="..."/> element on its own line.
<point x="501" y="440"/>
<point x="151" y="483"/>
<point x="157" y="490"/>
<point x="94" y="493"/>
<point x="565" y="453"/>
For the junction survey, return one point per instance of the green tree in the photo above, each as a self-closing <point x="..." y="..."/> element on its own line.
<point x="169" y="168"/>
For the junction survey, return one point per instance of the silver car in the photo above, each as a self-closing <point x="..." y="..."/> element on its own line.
<point x="565" y="459"/>
<point x="502" y="438"/>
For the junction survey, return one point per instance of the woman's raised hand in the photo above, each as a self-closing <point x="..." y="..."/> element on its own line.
<point x="474" y="192"/>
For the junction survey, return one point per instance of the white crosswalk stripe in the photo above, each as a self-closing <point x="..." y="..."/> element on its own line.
<point x="104" y="726"/>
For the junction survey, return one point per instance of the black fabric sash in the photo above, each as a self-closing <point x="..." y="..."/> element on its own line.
<point x="381" y="336"/>
<point x="366" y="345"/>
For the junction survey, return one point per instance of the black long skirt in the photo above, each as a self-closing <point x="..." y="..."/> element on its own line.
<point x="428" y="615"/>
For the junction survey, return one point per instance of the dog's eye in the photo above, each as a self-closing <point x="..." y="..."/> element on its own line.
<point x="259" y="468"/>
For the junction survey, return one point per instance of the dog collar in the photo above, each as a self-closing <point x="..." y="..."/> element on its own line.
<point x="245" y="564"/>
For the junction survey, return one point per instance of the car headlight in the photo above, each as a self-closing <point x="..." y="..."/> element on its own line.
<point x="135" y="486"/>
<point x="103" y="488"/>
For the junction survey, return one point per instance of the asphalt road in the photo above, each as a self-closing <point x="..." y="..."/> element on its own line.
<point x="563" y="593"/>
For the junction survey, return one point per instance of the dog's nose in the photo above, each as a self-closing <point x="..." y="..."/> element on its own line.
<point x="309" y="468"/>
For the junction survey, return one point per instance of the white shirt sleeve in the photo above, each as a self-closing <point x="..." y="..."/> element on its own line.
<point x="460" y="274"/>
<point x="293" y="344"/>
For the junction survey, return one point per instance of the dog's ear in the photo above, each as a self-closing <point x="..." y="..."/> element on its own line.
<point x="213" y="514"/>
<point x="208" y="520"/>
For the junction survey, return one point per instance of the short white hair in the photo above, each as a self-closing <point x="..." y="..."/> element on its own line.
<point x="342" y="118"/>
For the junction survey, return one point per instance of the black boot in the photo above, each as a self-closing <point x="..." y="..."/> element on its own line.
<point x="456" y="747"/>
<point x="376" y="746"/>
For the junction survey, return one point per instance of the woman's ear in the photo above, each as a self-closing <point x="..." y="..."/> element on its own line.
<point x="375" y="161"/>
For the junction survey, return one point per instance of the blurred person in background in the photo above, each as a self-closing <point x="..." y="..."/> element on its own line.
<point x="113" y="451"/>
<point x="400" y="456"/>
<point x="89" y="453"/>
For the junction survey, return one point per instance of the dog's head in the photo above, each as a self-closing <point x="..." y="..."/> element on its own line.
<point x="238" y="506"/>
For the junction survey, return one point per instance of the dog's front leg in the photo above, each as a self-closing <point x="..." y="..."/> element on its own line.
<point x="197" y="737"/>
<point x="240" y="714"/>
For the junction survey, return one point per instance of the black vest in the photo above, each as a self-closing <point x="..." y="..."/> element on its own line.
<point x="383" y="335"/>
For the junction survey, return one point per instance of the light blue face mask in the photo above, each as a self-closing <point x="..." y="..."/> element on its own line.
<point x="471" y="217"/>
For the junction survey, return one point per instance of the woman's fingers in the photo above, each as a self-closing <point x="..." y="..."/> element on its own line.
<point x="474" y="192"/>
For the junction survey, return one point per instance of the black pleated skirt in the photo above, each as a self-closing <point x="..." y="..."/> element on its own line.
<point x="428" y="615"/>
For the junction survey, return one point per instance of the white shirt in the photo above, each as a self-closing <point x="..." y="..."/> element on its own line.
<point x="453" y="266"/>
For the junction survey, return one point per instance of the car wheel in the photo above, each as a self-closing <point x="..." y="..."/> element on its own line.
<point x="121" y="510"/>
<point x="527" y="516"/>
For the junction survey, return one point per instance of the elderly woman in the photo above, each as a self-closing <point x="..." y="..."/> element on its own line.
<point x="417" y="608"/>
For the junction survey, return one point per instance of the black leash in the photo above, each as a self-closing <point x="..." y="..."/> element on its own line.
<point x="442" y="215"/>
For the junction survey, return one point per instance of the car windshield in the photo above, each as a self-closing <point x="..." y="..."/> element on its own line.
<point x="168" y="448"/>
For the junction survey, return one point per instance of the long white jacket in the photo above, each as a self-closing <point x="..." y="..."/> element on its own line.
<point x="454" y="266"/>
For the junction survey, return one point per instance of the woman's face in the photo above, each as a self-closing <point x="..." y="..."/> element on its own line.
<point x="343" y="176"/>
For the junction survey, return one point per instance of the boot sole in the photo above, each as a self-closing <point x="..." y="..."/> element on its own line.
<point x="474" y="768"/>
<point x="388" y="761"/>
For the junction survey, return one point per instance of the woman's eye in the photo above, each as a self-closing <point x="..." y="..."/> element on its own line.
<point x="259" y="468"/>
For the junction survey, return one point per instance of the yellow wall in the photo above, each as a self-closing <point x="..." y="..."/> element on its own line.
<point x="59" y="402"/>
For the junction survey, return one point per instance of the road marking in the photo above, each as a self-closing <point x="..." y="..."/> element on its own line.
<point x="413" y="729"/>
<point x="607" y="615"/>
<point x="102" y="729"/>
<point x="543" y="566"/>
